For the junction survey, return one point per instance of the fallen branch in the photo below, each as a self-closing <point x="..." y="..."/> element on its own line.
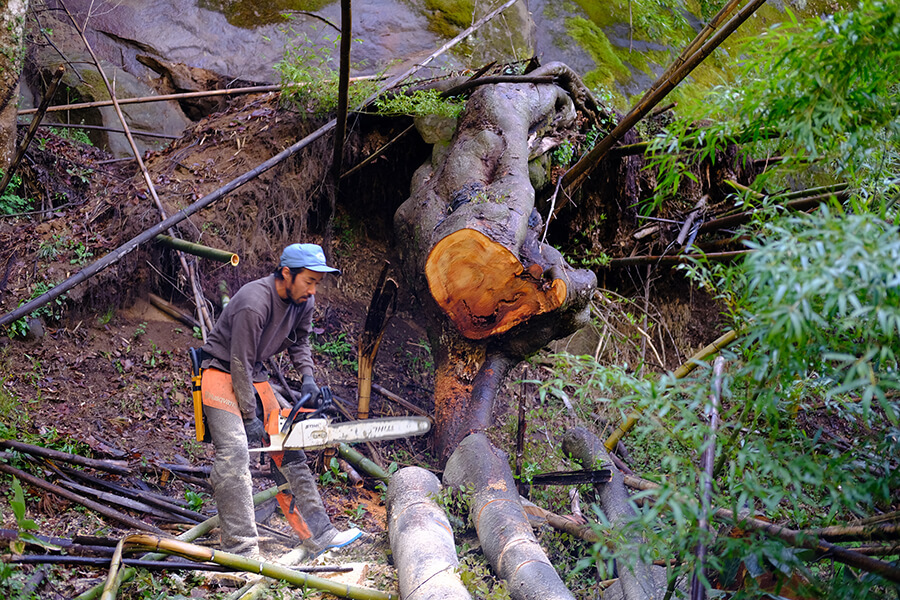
<point x="675" y="259"/>
<point x="399" y="400"/>
<point x="421" y="538"/>
<point x="110" y="466"/>
<point x="172" y="311"/>
<point x="78" y="499"/>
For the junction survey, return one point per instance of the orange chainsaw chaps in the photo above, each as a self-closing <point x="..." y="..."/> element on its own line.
<point x="294" y="518"/>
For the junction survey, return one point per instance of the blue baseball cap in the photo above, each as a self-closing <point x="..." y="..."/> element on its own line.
<point x="307" y="256"/>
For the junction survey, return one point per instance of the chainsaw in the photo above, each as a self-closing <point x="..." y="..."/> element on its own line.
<point x="310" y="431"/>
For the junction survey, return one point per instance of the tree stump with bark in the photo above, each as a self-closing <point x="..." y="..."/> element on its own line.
<point x="470" y="246"/>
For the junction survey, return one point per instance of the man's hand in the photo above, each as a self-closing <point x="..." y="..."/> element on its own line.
<point x="255" y="432"/>
<point x="308" y="386"/>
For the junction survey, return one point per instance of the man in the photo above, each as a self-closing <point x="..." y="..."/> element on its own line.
<point x="265" y="317"/>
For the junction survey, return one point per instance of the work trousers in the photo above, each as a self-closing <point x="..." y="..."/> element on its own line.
<point x="233" y="487"/>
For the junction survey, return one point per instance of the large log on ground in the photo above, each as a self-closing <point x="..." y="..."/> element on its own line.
<point x="469" y="243"/>
<point x="637" y="580"/>
<point x="421" y="538"/>
<point x="501" y="522"/>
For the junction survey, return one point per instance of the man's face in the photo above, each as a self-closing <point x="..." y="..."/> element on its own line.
<point x="302" y="286"/>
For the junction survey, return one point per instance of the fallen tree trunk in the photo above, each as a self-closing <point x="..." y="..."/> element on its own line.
<point x="501" y="522"/>
<point x="469" y="241"/>
<point x="637" y="580"/>
<point x="421" y="538"/>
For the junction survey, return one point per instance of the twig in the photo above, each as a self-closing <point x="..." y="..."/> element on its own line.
<point x="399" y="400"/>
<point x="139" y="132"/>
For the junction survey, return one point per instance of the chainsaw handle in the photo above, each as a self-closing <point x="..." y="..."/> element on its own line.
<point x="292" y="416"/>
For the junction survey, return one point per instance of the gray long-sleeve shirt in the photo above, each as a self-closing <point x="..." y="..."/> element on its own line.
<point x="256" y="325"/>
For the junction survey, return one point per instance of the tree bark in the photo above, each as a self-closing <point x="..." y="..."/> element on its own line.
<point x="12" y="43"/>
<point x="469" y="242"/>
<point x="637" y="580"/>
<point x="501" y="522"/>
<point x="421" y="538"/>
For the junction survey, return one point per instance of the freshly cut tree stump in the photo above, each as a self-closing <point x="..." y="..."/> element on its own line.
<point x="483" y="287"/>
<point x="421" y="538"/>
<point x="469" y="240"/>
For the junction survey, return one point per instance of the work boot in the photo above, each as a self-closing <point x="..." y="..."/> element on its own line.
<point x="332" y="540"/>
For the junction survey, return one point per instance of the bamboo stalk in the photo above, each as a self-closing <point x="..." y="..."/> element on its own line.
<point x="724" y="340"/>
<point x="675" y="259"/>
<point x="356" y="458"/>
<point x="116" y="499"/>
<point x="190" y="535"/>
<point x="399" y="400"/>
<point x="223" y="256"/>
<point x="340" y="131"/>
<point x="113" y="514"/>
<point x="580" y="171"/>
<point x="707" y="461"/>
<point x="32" y="129"/>
<point x="172" y="311"/>
<point x="138" y="132"/>
<point x="110" y="466"/>
<point x="204" y="319"/>
<point x="258" y="89"/>
<point x="204" y="554"/>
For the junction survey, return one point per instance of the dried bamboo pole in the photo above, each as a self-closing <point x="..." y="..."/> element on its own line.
<point x="399" y="400"/>
<point x="724" y="340"/>
<point x="137" y="132"/>
<point x="32" y="129"/>
<point x="353" y="476"/>
<point x="122" y="501"/>
<point x="381" y="309"/>
<point x="675" y="259"/>
<point x="142" y="495"/>
<point x="580" y="171"/>
<point x="421" y="538"/>
<point x="188" y="536"/>
<point x="258" y="89"/>
<point x="110" y="513"/>
<point x="707" y="476"/>
<point x="172" y="311"/>
<point x="118" y="467"/>
<point x="204" y="554"/>
<point x="223" y="256"/>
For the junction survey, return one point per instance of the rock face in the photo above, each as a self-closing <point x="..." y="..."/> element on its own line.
<point x="162" y="46"/>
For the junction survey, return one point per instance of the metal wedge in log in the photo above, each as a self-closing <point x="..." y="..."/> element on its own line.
<point x="637" y="580"/>
<point x="421" y="538"/>
<point x="501" y="523"/>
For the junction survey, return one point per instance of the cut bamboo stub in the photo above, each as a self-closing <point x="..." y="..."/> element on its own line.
<point x="483" y="287"/>
<point x="200" y="250"/>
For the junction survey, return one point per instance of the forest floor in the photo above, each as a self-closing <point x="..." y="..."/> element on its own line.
<point x="103" y="372"/>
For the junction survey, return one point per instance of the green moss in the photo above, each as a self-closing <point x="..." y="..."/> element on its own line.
<point x="609" y="67"/>
<point x="448" y="17"/>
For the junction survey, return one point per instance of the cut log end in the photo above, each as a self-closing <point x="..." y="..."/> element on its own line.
<point x="483" y="287"/>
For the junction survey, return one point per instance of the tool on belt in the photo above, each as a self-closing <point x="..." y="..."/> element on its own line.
<point x="309" y="430"/>
<point x="303" y="426"/>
